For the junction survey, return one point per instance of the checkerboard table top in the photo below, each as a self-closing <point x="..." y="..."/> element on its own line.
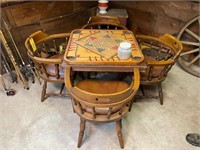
<point x="99" y="47"/>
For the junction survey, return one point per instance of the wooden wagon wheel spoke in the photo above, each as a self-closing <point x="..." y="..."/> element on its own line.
<point x="194" y="60"/>
<point x="190" y="57"/>
<point x="192" y="34"/>
<point x="199" y="21"/>
<point x="190" y="52"/>
<point x="190" y="43"/>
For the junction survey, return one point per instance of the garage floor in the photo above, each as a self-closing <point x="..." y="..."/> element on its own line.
<point x="28" y="124"/>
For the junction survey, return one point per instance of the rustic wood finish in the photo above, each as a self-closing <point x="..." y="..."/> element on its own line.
<point x="96" y="104"/>
<point x="48" y="67"/>
<point x="103" y="22"/>
<point x="147" y="17"/>
<point x="160" y="55"/>
<point x="78" y="56"/>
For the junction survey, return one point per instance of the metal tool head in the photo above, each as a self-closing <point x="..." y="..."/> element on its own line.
<point x="10" y="92"/>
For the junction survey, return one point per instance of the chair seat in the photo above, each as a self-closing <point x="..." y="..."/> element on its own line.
<point x="50" y="68"/>
<point x="101" y="87"/>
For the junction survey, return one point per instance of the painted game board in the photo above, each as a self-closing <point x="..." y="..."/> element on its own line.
<point x="78" y="55"/>
<point x="101" y="43"/>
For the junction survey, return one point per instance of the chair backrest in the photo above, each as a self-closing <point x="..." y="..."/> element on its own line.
<point x="160" y="55"/>
<point x="46" y="51"/>
<point x="103" y="22"/>
<point x="102" y="107"/>
<point x="177" y="45"/>
<point x="105" y="19"/>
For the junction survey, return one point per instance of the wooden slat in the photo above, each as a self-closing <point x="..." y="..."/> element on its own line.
<point x="32" y="12"/>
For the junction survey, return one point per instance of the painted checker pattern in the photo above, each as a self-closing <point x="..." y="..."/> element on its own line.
<point x="101" y="43"/>
<point x="77" y="51"/>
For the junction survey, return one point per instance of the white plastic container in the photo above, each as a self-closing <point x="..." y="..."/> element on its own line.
<point x="124" y="50"/>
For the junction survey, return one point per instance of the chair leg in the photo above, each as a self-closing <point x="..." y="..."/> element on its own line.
<point x="160" y="93"/>
<point x="73" y="75"/>
<point x="142" y="89"/>
<point x="62" y="87"/>
<point x="131" y="103"/>
<point x="119" y="133"/>
<point x="81" y="132"/>
<point x="81" y="75"/>
<point x="44" y="91"/>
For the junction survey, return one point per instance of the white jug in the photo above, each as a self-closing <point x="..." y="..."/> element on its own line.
<point x="124" y="50"/>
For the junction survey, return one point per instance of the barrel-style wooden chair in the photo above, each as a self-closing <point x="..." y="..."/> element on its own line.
<point x="46" y="51"/>
<point x="160" y="55"/>
<point x="102" y="100"/>
<point x="103" y="22"/>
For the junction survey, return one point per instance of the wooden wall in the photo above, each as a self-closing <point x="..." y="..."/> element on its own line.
<point x="158" y="17"/>
<point x="25" y="18"/>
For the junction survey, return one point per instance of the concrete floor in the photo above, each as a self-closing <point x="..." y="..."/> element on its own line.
<point x="28" y="124"/>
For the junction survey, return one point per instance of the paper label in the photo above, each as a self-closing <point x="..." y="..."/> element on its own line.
<point x="33" y="44"/>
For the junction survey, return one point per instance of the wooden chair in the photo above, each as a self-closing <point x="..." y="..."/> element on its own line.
<point x="103" y="22"/>
<point x="160" y="55"/>
<point x="102" y="101"/>
<point x="46" y="51"/>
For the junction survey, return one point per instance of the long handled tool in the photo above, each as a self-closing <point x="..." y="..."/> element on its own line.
<point x="7" y="67"/>
<point x="9" y="92"/>
<point x="25" y="69"/>
<point x="34" y="70"/>
<point x="15" y="65"/>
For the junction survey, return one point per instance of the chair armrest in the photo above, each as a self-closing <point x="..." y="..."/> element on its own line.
<point x="45" y="60"/>
<point x="68" y="83"/>
<point x="160" y="63"/>
<point x="60" y="35"/>
<point x="136" y="79"/>
<point x="48" y="60"/>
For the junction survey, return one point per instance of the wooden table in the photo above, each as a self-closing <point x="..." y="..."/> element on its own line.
<point x="81" y="58"/>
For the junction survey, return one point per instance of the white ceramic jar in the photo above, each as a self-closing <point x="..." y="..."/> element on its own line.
<point x="124" y="50"/>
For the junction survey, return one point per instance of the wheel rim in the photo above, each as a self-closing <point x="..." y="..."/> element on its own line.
<point x="189" y="35"/>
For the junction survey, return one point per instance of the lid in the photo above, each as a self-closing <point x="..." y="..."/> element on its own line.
<point x="125" y="45"/>
<point x="103" y="1"/>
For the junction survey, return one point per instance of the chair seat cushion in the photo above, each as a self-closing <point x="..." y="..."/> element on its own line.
<point x="50" y="68"/>
<point x="102" y="87"/>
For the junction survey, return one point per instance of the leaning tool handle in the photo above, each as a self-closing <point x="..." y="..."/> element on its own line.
<point x="14" y="78"/>
<point x="3" y="83"/>
<point x="9" y="92"/>
<point x="17" y="69"/>
<point x="7" y="67"/>
<point x="23" y="67"/>
<point x="10" y="35"/>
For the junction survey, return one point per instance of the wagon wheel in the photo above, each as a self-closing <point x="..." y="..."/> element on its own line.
<point x="189" y="35"/>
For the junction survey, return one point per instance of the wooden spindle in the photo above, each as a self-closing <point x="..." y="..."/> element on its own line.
<point x="109" y="112"/>
<point x="57" y="71"/>
<point x="94" y="112"/>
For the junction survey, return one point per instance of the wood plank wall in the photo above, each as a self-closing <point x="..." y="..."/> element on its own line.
<point x="158" y="17"/>
<point x="25" y="18"/>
